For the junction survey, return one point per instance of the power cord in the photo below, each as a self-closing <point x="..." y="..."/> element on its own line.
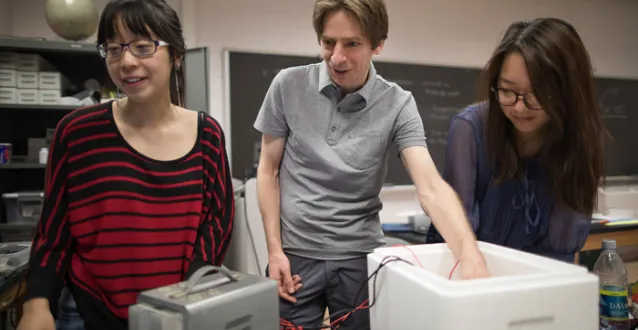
<point x="287" y="325"/>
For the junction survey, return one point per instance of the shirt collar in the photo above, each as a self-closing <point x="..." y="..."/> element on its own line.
<point x="325" y="82"/>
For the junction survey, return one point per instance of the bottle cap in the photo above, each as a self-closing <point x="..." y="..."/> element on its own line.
<point x="609" y="244"/>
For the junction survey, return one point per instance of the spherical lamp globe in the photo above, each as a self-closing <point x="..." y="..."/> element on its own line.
<point x="72" y="19"/>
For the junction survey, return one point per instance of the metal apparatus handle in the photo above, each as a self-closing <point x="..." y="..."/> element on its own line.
<point x="198" y="274"/>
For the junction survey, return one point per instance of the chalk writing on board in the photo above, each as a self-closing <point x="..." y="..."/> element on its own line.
<point x="438" y="116"/>
<point x="442" y="109"/>
<point x="607" y="107"/>
<point x="437" y="137"/>
<point x="404" y="82"/>
<point x="436" y="141"/>
<point x="442" y="93"/>
<point x="438" y="133"/>
<point x="617" y="112"/>
<point x="439" y="89"/>
<point x="435" y="84"/>
<point x="401" y="82"/>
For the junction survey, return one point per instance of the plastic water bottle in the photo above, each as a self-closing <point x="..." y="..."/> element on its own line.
<point x="43" y="155"/>
<point x="612" y="275"/>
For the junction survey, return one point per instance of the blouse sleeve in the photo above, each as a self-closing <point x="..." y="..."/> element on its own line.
<point x="52" y="249"/>
<point x="461" y="166"/>
<point x="566" y="233"/>
<point x="215" y="231"/>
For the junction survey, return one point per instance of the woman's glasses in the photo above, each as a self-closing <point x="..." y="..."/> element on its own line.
<point x="139" y="48"/>
<point x="509" y="97"/>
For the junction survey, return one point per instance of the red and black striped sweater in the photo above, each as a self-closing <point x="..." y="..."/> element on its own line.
<point x="115" y="223"/>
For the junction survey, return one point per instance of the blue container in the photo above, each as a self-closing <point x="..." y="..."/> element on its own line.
<point x="6" y="150"/>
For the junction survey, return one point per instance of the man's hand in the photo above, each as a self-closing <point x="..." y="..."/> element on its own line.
<point x="470" y="271"/>
<point x="473" y="265"/>
<point x="441" y="203"/>
<point x="279" y="270"/>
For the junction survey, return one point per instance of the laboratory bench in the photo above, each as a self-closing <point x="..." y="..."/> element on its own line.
<point x="625" y="236"/>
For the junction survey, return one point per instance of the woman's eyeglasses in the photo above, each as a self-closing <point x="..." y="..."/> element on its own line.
<point x="509" y="97"/>
<point x="139" y="48"/>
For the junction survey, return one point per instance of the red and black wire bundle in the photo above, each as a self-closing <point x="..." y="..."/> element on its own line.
<point x="287" y="325"/>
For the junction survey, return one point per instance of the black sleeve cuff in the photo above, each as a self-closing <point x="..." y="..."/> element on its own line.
<point x="44" y="283"/>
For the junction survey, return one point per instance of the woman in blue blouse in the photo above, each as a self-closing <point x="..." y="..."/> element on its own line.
<point x="527" y="162"/>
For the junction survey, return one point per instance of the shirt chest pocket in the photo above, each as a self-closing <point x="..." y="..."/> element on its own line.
<point x="362" y="150"/>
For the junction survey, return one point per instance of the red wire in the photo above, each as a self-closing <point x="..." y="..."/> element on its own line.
<point x="413" y="254"/>
<point x="289" y="326"/>
<point x="452" y="272"/>
<point x="343" y="318"/>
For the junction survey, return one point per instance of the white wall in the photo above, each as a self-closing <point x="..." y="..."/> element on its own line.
<point x="453" y="32"/>
<point x="5" y="18"/>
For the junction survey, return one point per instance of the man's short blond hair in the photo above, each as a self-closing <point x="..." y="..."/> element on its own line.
<point x="371" y="14"/>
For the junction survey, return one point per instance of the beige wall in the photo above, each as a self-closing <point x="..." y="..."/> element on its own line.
<point x="453" y="32"/>
<point x="5" y="18"/>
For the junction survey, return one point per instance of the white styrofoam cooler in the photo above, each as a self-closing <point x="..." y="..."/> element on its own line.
<point x="525" y="292"/>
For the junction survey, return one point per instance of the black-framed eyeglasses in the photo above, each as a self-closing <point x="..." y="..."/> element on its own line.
<point x="509" y="97"/>
<point x="139" y="48"/>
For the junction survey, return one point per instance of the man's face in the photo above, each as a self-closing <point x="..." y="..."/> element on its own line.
<point x="346" y="50"/>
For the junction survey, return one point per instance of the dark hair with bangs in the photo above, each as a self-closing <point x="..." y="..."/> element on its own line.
<point x="143" y="18"/>
<point x="561" y="75"/>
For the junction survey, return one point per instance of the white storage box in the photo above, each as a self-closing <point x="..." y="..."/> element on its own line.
<point x="525" y="292"/>
<point x="7" y="60"/>
<point x="31" y="62"/>
<point x="27" y="79"/>
<point x="8" y="95"/>
<point x="8" y="78"/>
<point x="28" y="96"/>
<point x="49" y="96"/>
<point x="399" y="203"/>
<point x="618" y="197"/>
<point x="52" y="81"/>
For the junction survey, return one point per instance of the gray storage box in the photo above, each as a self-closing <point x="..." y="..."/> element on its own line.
<point x="23" y="206"/>
<point x="224" y="300"/>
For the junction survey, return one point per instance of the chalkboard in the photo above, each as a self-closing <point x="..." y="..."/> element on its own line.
<point x="617" y="100"/>
<point x="440" y="93"/>
<point x="249" y="76"/>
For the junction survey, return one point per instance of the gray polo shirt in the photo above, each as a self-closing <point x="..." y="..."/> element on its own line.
<point x="335" y="158"/>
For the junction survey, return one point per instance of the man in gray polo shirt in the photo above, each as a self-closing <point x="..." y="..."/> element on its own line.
<point x="327" y="129"/>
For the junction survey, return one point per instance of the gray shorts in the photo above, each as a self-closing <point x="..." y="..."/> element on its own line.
<point x="328" y="283"/>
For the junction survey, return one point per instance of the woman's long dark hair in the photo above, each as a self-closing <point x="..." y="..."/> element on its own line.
<point x="143" y="18"/>
<point x="561" y="75"/>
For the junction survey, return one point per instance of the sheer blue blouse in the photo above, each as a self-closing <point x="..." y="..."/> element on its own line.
<point x="519" y="213"/>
